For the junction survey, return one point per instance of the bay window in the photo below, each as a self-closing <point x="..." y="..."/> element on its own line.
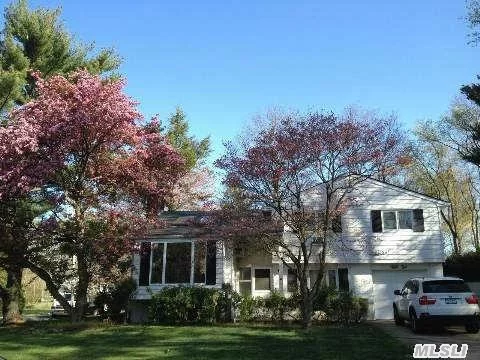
<point x="177" y="262"/>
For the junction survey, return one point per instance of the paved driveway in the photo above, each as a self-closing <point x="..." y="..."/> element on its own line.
<point x="451" y="335"/>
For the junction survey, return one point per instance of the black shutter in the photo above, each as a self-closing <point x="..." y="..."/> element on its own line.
<point x="418" y="220"/>
<point x="376" y="216"/>
<point x="343" y="284"/>
<point x="211" y="264"/>
<point x="144" y="277"/>
<point x="337" y="224"/>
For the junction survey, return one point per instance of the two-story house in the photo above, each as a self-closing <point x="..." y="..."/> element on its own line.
<point x="395" y="234"/>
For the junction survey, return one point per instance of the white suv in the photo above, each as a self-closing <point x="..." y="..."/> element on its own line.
<point x="436" y="301"/>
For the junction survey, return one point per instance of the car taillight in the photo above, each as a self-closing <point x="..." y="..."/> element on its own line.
<point x="424" y="300"/>
<point x="472" y="299"/>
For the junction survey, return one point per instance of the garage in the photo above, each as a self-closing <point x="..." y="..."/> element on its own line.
<point x="384" y="283"/>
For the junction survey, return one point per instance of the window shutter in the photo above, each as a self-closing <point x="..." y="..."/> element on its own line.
<point x="418" y="220"/>
<point x="343" y="284"/>
<point x="145" y="250"/>
<point x="376" y="216"/>
<point x="337" y="224"/>
<point x="211" y="264"/>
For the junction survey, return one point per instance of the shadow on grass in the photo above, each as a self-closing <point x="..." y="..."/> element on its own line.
<point x="93" y="341"/>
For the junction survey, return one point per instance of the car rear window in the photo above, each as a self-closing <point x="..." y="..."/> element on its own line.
<point x="445" y="286"/>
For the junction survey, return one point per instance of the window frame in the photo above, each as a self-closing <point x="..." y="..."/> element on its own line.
<point x="253" y="278"/>
<point x="337" y="277"/>
<point x="270" y="282"/>
<point x="164" y="262"/>
<point x="397" y="219"/>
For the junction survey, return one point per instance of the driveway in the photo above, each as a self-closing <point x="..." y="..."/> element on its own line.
<point x="451" y="335"/>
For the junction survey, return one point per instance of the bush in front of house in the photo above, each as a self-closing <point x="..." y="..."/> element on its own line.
<point x="228" y="301"/>
<point x="275" y="307"/>
<point x="112" y="303"/>
<point x="193" y="304"/>
<point x="346" y="308"/>
<point x="278" y="306"/>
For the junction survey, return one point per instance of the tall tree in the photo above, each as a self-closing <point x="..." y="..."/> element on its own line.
<point x="437" y="170"/>
<point x="80" y="142"/>
<point x="302" y="169"/>
<point x="35" y="40"/>
<point x="195" y="190"/>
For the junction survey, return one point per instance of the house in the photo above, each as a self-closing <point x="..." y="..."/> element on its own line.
<point x="395" y="234"/>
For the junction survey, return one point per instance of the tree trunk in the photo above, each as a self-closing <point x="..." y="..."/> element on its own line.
<point x="306" y="304"/>
<point x="12" y="297"/>
<point x="81" y="302"/>
<point x="306" y="308"/>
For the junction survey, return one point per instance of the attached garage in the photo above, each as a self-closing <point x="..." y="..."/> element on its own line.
<point x="384" y="283"/>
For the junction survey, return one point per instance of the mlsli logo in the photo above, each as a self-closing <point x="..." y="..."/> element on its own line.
<point x="444" y="351"/>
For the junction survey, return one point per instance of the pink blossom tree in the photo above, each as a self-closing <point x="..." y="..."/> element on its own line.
<point x="82" y="146"/>
<point x="297" y="171"/>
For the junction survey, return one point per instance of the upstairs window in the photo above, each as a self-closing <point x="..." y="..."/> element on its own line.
<point x="397" y="220"/>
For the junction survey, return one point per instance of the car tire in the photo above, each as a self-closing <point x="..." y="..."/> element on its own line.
<point x="415" y="323"/>
<point x="472" y="328"/>
<point x="396" y="317"/>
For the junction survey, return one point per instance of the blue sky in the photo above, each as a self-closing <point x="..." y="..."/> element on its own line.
<point x="225" y="61"/>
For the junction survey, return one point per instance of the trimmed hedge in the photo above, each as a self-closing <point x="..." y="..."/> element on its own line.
<point x="187" y="305"/>
<point x="201" y="305"/>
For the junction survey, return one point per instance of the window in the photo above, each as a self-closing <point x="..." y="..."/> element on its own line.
<point x="292" y="285"/>
<point x="262" y="279"/>
<point x="405" y="219"/>
<point x="445" y="286"/>
<point x="409" y="288"/>
<point x="343" y="284"/>
<point x="245" y="281"/>
<point x="397" y="219"/>
<point x="180" y="262"/>
<point x="313" y="275"/>
<point x="157" y="263"/>
<point x="199" y="266"/>
<point x="332" y="278"/>
<point x="389" y="220"/>
<point x="338" y="279"/>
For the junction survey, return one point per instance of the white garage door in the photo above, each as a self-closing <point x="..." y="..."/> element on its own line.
<point x="384" y="283"/>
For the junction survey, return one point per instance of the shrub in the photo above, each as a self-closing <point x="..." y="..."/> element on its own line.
<point x="112" y="303"/>
<point x="325" y="296"/>
<point x="465" y="266"/>
<point x="247" y="309"/>
<point x="181" y="304"/>
<point x="278" y="305"/>
<point x="346" y="308"/>
<point x="227" y="303"/>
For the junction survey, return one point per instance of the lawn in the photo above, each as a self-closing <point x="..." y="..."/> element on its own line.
<point x="56" y="340"/>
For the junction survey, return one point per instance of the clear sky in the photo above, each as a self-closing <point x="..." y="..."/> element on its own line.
<point x="225" y="61"/>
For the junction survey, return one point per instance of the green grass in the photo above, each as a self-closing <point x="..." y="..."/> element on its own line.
<point x="57" y="340"/>
<point x="41" y="308"/>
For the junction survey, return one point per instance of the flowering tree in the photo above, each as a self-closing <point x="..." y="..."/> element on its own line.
<point x="80" y="145"/>
<point x="298" y="171"/>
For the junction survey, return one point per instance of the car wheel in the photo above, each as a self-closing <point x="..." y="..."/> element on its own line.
<point x="415" y="323"/>
<point x="472" y="328"/>
<point x="398" y="320"/>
